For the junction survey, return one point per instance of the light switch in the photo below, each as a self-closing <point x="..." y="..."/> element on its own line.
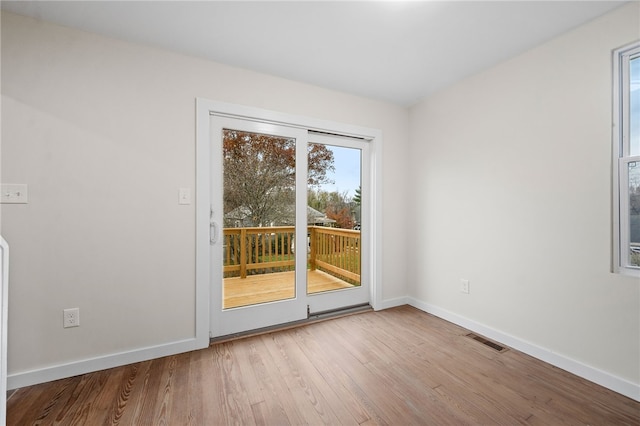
<point x="14" y="193"/>
<point x="184" y="196"/>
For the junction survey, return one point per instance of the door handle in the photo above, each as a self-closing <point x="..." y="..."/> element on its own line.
<point x="213" y="227"/>
<point x="213" y="232"/>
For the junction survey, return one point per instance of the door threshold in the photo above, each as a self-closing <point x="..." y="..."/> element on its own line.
<point x="313" y="317"/>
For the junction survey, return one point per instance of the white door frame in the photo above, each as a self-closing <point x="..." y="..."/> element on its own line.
<point x="204" y="109"/>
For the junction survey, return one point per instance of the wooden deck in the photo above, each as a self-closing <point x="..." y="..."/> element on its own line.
<point x="277" y="286"/>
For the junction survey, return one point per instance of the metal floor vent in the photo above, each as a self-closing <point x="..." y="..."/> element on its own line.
<point x="492" y="345"/>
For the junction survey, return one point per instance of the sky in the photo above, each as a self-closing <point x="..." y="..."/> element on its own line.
<point x="346" y="176"/>
<point x="635" y="106"/>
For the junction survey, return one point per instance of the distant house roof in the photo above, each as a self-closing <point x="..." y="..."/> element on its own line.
<point x="311" y="212"/>
<point x="314" y="217"/>
<point x="239" y="213"/>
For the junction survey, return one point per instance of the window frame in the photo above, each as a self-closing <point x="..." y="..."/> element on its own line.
<point x="622" y="157"/>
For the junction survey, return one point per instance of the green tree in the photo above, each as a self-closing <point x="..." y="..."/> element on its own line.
<point x="356" y="198"/>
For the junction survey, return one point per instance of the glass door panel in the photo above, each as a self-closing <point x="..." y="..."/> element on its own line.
<point x="334" y="219"/>
<point x="259" y="201"/>
<point x="258" y="276"/>
<point x="338" y="220"/>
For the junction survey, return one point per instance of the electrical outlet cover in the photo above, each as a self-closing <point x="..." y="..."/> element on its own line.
<point x="464" y="286"/>
<point x="71" y="318"/>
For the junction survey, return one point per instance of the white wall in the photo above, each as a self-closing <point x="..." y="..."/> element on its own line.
<point x="513" y="169"/>
<point x="103" y="132"/>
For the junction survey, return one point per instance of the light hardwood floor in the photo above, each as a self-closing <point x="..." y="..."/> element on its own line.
<point x="394" y="367"/>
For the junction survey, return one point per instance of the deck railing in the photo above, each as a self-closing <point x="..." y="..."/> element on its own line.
<point x="249" y="251"/>
<point x="336" y="251"/>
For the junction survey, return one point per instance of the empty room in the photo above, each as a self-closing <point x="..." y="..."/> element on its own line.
<point x="389" y="212"/>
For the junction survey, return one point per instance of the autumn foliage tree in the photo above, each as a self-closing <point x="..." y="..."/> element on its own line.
<point x="337" y="206"/>
<point x="259" y="175"/>
<point x="343" y="216"/>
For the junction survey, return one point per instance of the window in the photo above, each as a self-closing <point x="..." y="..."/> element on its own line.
<point x="626" y="161"/>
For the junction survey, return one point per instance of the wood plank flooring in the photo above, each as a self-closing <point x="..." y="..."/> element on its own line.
<point x="400" y="366"/>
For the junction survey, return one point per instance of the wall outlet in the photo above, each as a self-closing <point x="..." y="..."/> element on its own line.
<point x="71" y="317"/>
<point x="464" y="286"/>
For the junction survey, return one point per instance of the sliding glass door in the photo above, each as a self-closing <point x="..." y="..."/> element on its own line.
<point x="286" y="224"/>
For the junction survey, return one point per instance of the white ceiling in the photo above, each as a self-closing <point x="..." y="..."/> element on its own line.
<point x="393" y="51"/>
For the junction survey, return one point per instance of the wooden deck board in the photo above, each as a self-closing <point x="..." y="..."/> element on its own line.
<point x="277" y="286"/>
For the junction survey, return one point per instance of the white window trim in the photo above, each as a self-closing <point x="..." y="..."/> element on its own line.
<point x="621" y="157"/>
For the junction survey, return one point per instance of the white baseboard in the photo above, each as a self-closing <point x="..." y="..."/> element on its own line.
<point x="61" y="371"/>
<point x="391" y="303"/>
<point x="616" y="384"/>
<point x="47" y="374"/>
<point x="609" y="381"/>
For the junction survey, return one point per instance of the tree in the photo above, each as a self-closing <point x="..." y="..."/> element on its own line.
<point x="320" y="161"/>
<point x="634" y="200"/>
<point x="337" y="206"/>
<point x="356" y="198"/>
<point x="259" y="176"/>
<point x="343" y="216"/>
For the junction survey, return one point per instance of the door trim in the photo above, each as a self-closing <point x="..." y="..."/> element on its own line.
<point x="204" y="109"/>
